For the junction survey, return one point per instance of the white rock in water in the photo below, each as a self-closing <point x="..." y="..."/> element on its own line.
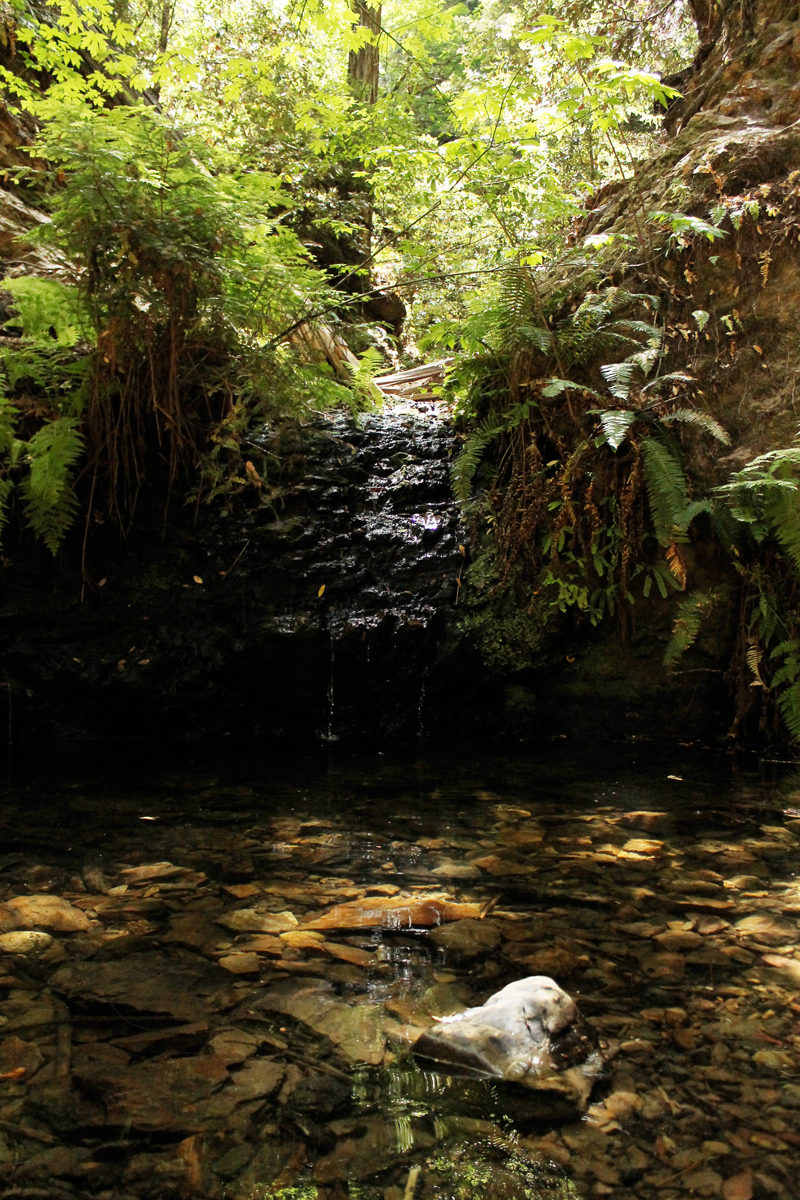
<point x="25" y="941"/>
<point x="509" y="1037"/>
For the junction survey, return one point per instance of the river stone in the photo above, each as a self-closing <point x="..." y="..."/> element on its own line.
<point x="156" y="1096"/>
<point x="249" y="920"/>
<point x="467" y="937"/>
<point x="150" y="871"/>
<point x="240" y="964"/>
<point x="26" y="941"/>
<point x="354" y="1028"/>
<point x="258" y="1078"/>
<point x="393" y="912"/>
<point x="766" y="928"/>
<point x="179" y="984"/>
<point x="457" y="870"/>
<point x="233" y="1045"/>
<point x="15" y="1054"/>
<point x="509" y="1037"/>
<point x="46" y="911"/>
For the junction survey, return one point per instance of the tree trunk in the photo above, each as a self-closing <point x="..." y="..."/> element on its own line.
<point x="364" y="64"/>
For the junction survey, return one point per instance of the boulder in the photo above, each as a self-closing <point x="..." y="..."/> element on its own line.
<point x="527" y="1033"/>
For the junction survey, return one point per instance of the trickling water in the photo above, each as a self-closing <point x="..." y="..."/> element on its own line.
<point x="329" y="735"/>
<point x="366" y="549"/>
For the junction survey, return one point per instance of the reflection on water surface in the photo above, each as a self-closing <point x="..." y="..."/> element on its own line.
<point x="211" y="975"/>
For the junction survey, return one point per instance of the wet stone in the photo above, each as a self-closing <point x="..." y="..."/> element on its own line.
<point x="19" y="1055"/>
<point x="46" y="912"/>
<point x="510" y="1037"/>
<point x="178" y="985"/>
<point x="355" y="1029"/>
<point x="234" y="1045"/>
<point x="240" y="964"/>
<point x="468" y="937"/>
<point x="156" y="1096"/>
<point x="249" y="920"/>
<point x="31" y="943"/>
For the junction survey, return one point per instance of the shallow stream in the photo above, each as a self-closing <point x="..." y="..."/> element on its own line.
<point x="211" y="973"/>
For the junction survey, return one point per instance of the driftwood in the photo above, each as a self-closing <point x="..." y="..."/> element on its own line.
<point x="415" y="384"/>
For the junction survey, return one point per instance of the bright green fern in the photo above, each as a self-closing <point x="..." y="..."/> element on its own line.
<point x="49" y="500"/>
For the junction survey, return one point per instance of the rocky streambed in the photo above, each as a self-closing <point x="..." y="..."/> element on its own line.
<point x="211" y="981"/>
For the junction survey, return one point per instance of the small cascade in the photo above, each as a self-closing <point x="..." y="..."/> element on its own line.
<point x="359" y="562"/>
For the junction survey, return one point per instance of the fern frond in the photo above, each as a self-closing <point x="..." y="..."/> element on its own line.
<point x="50" y="502"/>
<point x="556" y="386"/>
<point x="666" y="488"/>
<point x="753" y="658"/>
<point x="618" y="376"/>
<point x="690" y="614"/>
<point x="690" y="416"/>
<point x="760" y="473"/>
<point x="6" y="488"/>
<point x="470" y="455"/>
<point x="782" y="510"/>
<point x="676" y="565"/>
<point x="789" y="705"/>
<point x="726" y="527"/>
<point x="643" y="327"/>
<point x="670" y="377"/>
<point x="615" y="423"/>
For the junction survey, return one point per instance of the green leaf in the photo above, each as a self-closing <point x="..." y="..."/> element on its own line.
<point x="616" y="423"/>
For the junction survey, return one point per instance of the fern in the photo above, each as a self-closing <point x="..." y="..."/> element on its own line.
<point x="49" y="500"/>
<point x="667" y="492"/>
<point x="619" y="376"/>
<point x="470" y="455"/>
<point x="690" y="416"/>
<point x="615" y="423"/>
<point x="782" y="510"/>
<point x="670" y="377"/>
<point x="690" y="614"/>
<point x="48" y="311"/>
<point x="726" y="528"/>
<point x="555" y="387"/>
<point x="787" y="679"/>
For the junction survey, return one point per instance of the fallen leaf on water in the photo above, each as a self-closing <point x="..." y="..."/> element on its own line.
<point x="738" y="1187"/>
<point x="197" y="578"/>
<point x="321" y="590"/>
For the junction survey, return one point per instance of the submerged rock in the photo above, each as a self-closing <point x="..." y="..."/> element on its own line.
<point x="527" y="1033"/>
<point x="394" y="912"/>
<point x="45" y="911"/>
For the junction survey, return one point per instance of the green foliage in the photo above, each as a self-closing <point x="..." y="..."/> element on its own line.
<point x="691" y="611"/>
<point x="48" y="311"/>
<point x="684" y="227"/>
<point x="786" y="681"/>
<point x="667" y="491"/>
<point x="40" y="470"/>
<point x="469" y="457"/>
<point x="191" y="283"/>
<point x="48" y="498"/>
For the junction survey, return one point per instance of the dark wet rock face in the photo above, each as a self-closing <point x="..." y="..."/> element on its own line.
<point x="509" y="1038"/>
<point x="373" y="527"/>
<point x="323" y="603"/>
